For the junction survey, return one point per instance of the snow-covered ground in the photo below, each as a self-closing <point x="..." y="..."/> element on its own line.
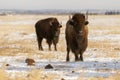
<point x="91" y="67"/>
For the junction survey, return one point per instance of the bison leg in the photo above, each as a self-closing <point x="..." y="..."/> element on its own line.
<point x="81" y="56"/>
<point x="49" y="44"/>
<point x="55" y="47"/>
<point x="55" y="43"/>
<point x="76" y="57"/>
<point x="68" y="51"/>
<point x="39" y="43"/>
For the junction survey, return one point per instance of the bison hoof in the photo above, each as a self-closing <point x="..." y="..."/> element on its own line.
<point x="41" y="49"/>
<point x="67" y="60"/>
<point x="78" y="60"/>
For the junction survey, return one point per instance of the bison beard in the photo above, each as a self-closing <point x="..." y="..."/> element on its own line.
<point x="49" y="29"/>
<point x="76" y="36"/>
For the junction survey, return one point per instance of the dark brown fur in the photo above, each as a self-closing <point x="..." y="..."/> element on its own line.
<point x="76" y="36"/>
<point x="49" y="29"/>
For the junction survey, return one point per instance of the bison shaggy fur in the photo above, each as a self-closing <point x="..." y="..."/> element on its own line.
<point x="76" y="35"/>
<point x="49" y="29"/>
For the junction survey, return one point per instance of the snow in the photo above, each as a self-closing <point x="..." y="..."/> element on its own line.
<point x="105" y="37"/>
<point x="14" y="36"/>
<point x="69" y="70"/>
<point x="91" y="67"/>
<point x="106" y="21"/>
<point x="20" y="22"/>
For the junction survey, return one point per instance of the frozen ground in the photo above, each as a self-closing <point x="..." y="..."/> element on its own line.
<point x="93" y="66"/>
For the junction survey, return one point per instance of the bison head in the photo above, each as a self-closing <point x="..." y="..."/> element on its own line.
<point x="79" y="22"/>
<point x="55" y="27"/>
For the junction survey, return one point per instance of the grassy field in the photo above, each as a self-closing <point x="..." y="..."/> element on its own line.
<point x="18" y="38"/>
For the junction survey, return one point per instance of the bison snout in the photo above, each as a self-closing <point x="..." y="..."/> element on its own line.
<point x="80" y="33"/>
<point x="57" y="33"/>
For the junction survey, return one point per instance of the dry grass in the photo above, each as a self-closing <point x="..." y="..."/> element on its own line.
<point x="34" y="74"/>
<point x="29" y="47"/>
<point x="114" y="77"/>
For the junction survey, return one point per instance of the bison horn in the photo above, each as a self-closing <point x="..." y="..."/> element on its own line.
<point x="70" y="17"/>
<point x="86" y="16"/>
<point x="50" y="23"/>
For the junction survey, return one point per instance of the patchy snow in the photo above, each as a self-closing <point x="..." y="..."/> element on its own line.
<point x="105" y="37"/>
<point x="16" y="36"/>
<point x="91" y="67"/>
<point x="18" y="22"/>
<point x="106" y="21"/>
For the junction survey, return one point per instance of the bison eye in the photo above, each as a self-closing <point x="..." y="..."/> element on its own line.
<point x="86" y="22"/>
<point x="71" y="22"/>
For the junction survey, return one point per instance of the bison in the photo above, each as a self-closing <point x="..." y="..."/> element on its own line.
<point x="76" y="34"/>
<point x="49" y="29"/>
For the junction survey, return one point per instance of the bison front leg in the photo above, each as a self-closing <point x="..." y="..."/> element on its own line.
<point x="55" y="41"/>
<point x="55" y="47"/>
<point x="68" y="51"/>
<point x="49" y="44"/>
<point x="81" y="56"/>
<point x="39" y="43"/>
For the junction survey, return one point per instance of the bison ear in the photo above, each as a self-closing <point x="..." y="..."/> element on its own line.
<point x="86" y="22"/>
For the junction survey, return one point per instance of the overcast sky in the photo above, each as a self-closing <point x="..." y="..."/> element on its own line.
<point x="60" y="4"/>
